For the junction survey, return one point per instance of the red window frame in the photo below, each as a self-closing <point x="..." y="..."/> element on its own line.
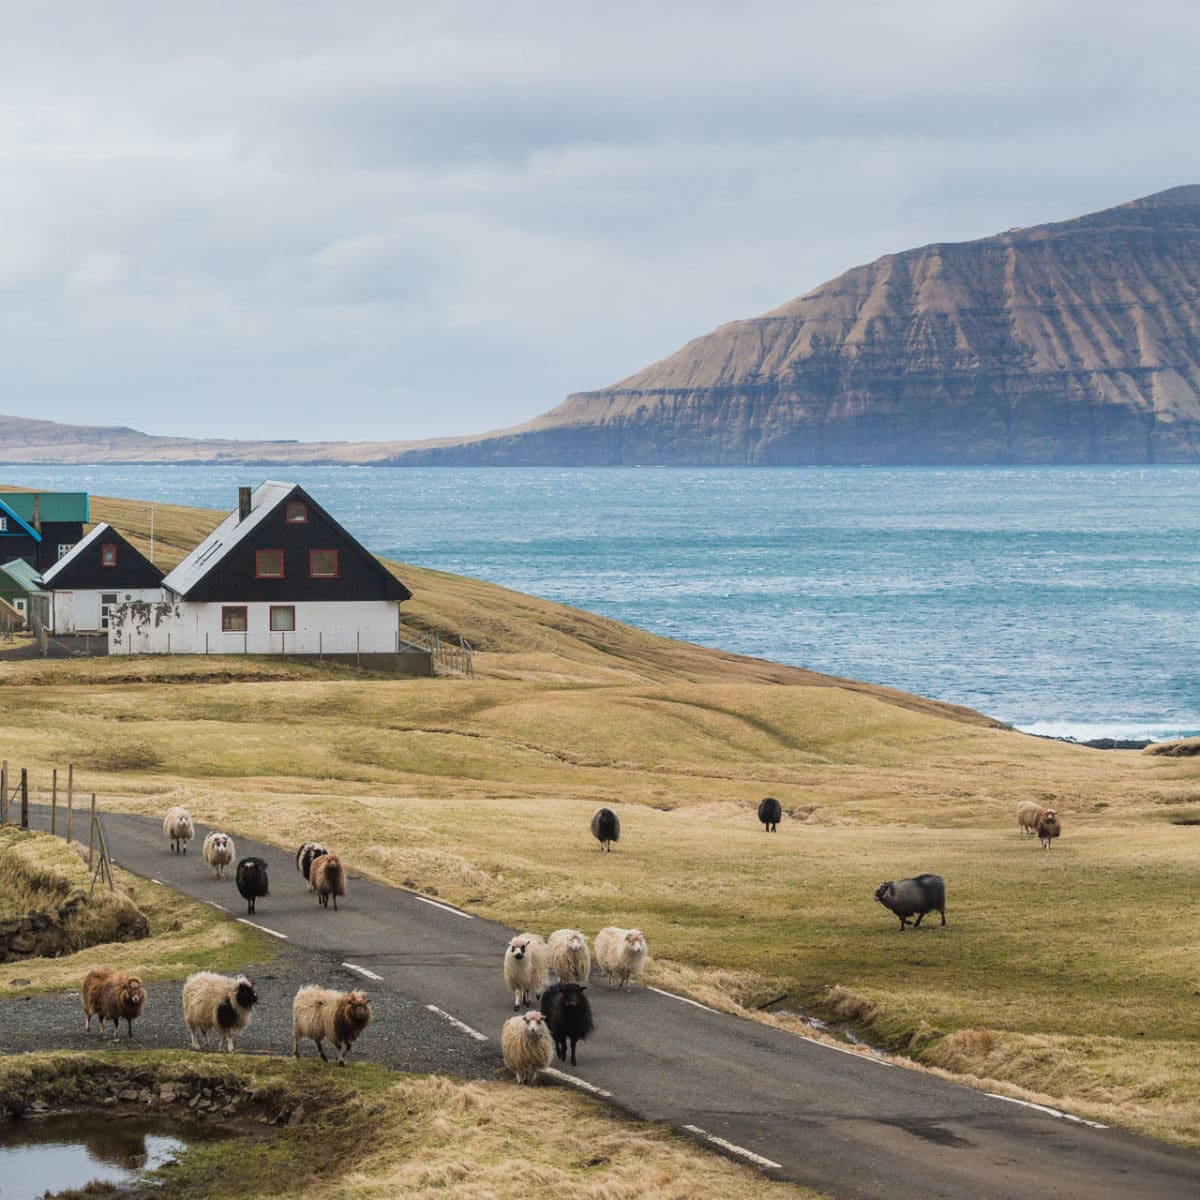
<point x="108" y="554"/>
<point x="274" y="608"/>
<point x="334" y="574"/>
<point x="297" y="513"/>
<point x="259" y="573"/>
<point x="227" y="612"/>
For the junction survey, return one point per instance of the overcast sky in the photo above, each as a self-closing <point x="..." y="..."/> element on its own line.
<point x="382" y="220"/>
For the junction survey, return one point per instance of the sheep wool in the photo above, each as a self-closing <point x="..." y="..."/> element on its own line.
<point x="1028" y="812"/>
<point x="620" y="954"/>
<point x="328" y="1016"/>
<point x="111" y="995"/>
<point x="327" y="878"/>
<point x="526" y="968"/>
<point x="1048" y="827"/>
<point x="527" y="1046"/>
<point x="217" y="1002"/>
<point x="570" y="958"/>
<point x="304" y="858"/>
<point x="218" y="852"/>
<point x="178" y="828"/>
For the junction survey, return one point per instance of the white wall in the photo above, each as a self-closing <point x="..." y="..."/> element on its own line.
<point x="78" y="611"/>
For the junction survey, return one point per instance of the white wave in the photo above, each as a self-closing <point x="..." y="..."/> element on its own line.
<point x="1085" y="731"/>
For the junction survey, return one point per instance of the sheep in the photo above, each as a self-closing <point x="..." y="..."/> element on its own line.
<point x="620" y="954"/>
<point x="251" y="881"/>
<point x="526" y="1045"/>
<point x="178" y="829"/>
<point x="111" y="995"/>
<point x="1027" y="815"/>
<point x="568" y="1016"/>
<point x="327" y="877"/>
<point x="217" y="1002"/>
<point x="606" y="827"/>
<point x="1048" y="828"/>
<point x="919" y="895"/>
<point x="325" y="1015"/>
<point x="769" y="813"/>
<point x="526" y="965"/>
<point x="218" y="852"/>
<point x="570" y="958"/>
<point x="304" y="858"/>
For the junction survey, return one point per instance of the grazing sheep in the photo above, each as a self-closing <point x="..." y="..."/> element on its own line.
<point x="218" y="852"/>
<point x="1027" y="815"/>
<point x="327" y="877"/>
<point x="251" y="881"/>
<point x="112" y="996"/>
<point x="568" y="1016"/>
<point x="570" y="958"/>
<point x="178" y="828"/>
<point x="304" y="858"/>
<point x="769" y="813"/>
<point x="328" y="1016"/>
<point x="1048" y="828"/>
<point x="620" y="954"/>
<point x="525" y="1042"/>
<point x="606" y="827"/>
<point x="217" y="1002"/>
<point x="526" y="965"/>
<point x="919" y="895"/>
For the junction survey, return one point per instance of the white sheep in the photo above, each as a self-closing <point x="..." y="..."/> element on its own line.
<point x="526" y="968"/>
<point x="620" y="954"/>
<point x="570" y="958"/>
<point x="217" y="1002"/>
<point x="1027" y="816"/>
<point x="178" y="828"/>
<point x="328" y="1016"/>
<point x="527" y="1046"/>
<point x="219" y="852"/>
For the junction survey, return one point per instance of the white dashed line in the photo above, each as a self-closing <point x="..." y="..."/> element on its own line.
<point x="446" y="907"/>
<point x="576" y="1082"/>
<point x="733" y="1148"/>
<point x="262" y="928"/>
<point x="214" y="904"/>
<point x="871" y="1056"/>
<point x="460" y="1025"/>
<point x="159" y="882"/>
<point x="683" y="1000"/>
<point x="361" y="970"/>
<point x="1045" y="1108"/>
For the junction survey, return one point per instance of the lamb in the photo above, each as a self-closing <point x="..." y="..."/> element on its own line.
<point x="526" y="1045"/>
<point x="304" y="858"/>
<point x="1027" y="815"/>
<point x="769" y="813"/>
<point x="919" y="895"/>
<point x="570" y="958"/>
<point x="178" y="828"/>
<point x="526" y="965"/>
<point x="606" y="827"/>
<point x="568" y="1016"/>
<point x="112" y="996"/>
<point x="1048" y="827"/>
<point x="217" y="1002"/>
<point x="327" y="877"/>
<point x="218" y="852"/>
<point x="620" y="954"/>
<point x="251" y="881"/>
<point x="325" y="1015"/>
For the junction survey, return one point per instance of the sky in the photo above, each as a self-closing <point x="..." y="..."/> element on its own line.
<point x="391" y="221"/>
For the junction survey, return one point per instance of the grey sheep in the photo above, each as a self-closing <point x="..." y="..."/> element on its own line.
<point x="917" y="896"/>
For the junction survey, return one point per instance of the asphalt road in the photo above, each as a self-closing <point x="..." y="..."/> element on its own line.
<point x="853" y="1126"/>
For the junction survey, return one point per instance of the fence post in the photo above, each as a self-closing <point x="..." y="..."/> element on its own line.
<point x="92" y="832"/>
<point x="70" y="797"/>
<point x="24" y="798"/>
<point x="358" y="647"/>
<point x="54" y="802"/>
<point x="3" y="791"/>
<point x="206" y="641"/>
<point x="321" y="645"/>
<point x="168" y="641"/>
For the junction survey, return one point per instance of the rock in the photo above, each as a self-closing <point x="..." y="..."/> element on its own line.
<point x="167" y="1094"/>
<point x="297" y="1115"/>
<point x="21" y="944"/>
<point x="128" y="1094"/>
<point x="19" y="982"/>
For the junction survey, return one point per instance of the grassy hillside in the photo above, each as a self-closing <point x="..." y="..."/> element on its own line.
<point x="1069" y="976"/>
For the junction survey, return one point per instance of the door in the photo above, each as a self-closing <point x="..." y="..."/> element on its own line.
<point x="108" y="600"/>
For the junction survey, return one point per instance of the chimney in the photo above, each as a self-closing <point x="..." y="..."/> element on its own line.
<point x="37" y="513"/>
<point x="243" y="503"/>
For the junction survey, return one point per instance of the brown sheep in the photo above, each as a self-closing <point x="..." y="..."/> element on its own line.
<point x="1048" y="828"/>
<point x="327" y="878"/>
<point x="112" y="996"/>
<point x="325" y="1015"/>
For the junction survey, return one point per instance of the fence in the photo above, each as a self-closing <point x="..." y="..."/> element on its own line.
<point x="451" y="657"/>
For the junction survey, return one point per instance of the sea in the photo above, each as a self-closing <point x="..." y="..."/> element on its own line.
<point x="1063" y="600"/>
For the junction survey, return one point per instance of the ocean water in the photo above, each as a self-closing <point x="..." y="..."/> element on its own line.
<point x="1065" y="600"/>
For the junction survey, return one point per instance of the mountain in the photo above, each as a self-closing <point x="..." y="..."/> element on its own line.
<point x="1076" y="342"/>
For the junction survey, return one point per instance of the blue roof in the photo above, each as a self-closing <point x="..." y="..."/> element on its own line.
<point x="9" y="511"/>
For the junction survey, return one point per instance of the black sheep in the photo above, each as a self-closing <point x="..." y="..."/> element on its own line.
<point x="305" y="855"/>
<point x="252" y="881"/>
<point x="606" y="827"/>
<point x="914" y="897"/>
<point x="769" y="813"/>
<point x="568" y="1016"/>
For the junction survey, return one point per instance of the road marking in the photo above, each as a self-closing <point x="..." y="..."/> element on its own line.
<point x="870" y="1056"/>
<point x="733" y="1148"/>
<point x="262" y="928"/>
<point x="361" y="970"/>
<point x="1045" y="1108"/>
<point x="684" y="1000"/>
<point x="436" y="904"/>
<point x="461" y="1025"/>
<point x="159" y="882"/>
<point x="214" y="904"/>
<point x="577" y="1082"/>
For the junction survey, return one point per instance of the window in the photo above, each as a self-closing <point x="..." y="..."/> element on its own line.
<point x="322" y="564"/>
<point x="283" y="618"/>
<point x="108" y="601"/>
<point x="297" y="512"/>
<point x="3" y="524"/>
<point x="65" y="548"/>
<point x="268" y="564"/>
<point x="233" y="618"/>
<point x="108" y="554"/>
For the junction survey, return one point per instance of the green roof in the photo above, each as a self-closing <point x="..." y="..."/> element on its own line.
<point x="55" y="506"/>
<point x="23" y="575"/>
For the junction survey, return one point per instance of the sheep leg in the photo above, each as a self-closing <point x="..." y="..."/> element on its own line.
<point x="87" y="1022"/>
<point x="517" y="1000"/>
<point x="196" y="1044"/>
<point x="335" y="901"/>
<point x="129" y="1022"/>
<point x="227" y="1044"/>
<point x="917" y="922"/>
<point x="321" y="1050"/>
<point x="573" y="1041"/>
<point x="943" y="912"/>
<point x="342" y="1051"/>
<point x="295" y="1047"/>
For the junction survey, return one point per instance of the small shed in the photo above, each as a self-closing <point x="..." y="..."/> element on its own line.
<point x="21" y="586"/>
